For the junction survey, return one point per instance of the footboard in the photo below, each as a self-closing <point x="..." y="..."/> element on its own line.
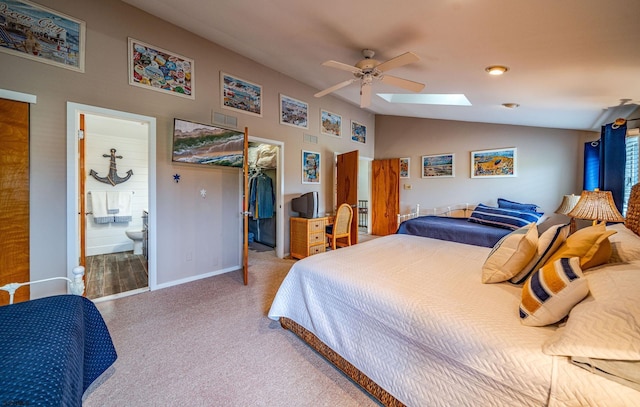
<point x="76" y="286"/>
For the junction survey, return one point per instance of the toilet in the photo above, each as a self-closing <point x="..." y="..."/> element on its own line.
<point x="136" y="236"/>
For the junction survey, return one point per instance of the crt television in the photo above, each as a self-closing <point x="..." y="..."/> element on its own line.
<point x="306" y="205"/>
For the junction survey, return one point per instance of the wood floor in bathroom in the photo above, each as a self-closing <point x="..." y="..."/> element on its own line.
<point x="113" y="273"/>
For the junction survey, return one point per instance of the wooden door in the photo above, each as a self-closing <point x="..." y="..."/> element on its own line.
<point x="385" y="196"/>
<point x="347" y="186"/>
<point x="245" y="209"/>
<point x="14" y="197"/>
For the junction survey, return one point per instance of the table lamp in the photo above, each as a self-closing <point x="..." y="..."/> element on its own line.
<point x="568" y="203"/>
<point x="596" y="206"/>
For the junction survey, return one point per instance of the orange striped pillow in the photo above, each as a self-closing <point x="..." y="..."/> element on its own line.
<point x="552" y="291"/>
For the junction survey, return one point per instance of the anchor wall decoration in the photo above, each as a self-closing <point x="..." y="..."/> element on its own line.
<point x="113" y="177"/>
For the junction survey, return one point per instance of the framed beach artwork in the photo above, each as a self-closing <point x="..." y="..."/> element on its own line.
<point x="330" y="123"/>
<point x="294" y="112"/>
<point x="438" y="165"/>
<point x="240" y="95"/>
<point x="154" y="68"/>
<point x="494" y="163"/>
<point x="41" y="34"/>
<point x="404" y="167"/>
<point x="358" y="132"/>
<point x="310" y="167"/>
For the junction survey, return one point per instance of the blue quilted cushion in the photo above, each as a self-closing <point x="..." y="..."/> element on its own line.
<point x="502" y="218"/>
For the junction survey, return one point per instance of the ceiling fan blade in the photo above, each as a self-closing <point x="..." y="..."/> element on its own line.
<point x="340" y="65"/>
<point x="402" y="83"/>
<point x="334" y="88"/>
<point x="400" y="60"/>
<point x="365" y="95"/>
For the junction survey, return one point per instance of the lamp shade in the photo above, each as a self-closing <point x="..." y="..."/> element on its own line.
<point x="597" y="206"/>
<point x="568" y="203"/>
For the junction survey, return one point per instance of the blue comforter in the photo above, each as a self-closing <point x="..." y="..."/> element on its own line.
<point x="51" y="350"/>
<point x="453" y="229"/>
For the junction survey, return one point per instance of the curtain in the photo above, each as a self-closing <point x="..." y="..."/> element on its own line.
<point x="613" y="159"/>
<point x="591" y="177"/>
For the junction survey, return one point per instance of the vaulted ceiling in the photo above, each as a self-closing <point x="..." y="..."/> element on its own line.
<point x="573" y="64"/>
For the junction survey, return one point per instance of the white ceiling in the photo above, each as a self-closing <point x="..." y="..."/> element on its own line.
<point x="573" y="63"/>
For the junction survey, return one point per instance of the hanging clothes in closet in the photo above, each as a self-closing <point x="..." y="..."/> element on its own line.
<point x="262" y="206"/>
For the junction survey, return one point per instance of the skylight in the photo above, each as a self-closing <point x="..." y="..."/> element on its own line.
<point x="452" y="99"/>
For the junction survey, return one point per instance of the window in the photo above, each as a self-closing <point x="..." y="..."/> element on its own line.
<point x="631" y="169"/>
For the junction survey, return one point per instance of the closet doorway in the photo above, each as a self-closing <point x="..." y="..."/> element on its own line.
<point x="266" y="226"/>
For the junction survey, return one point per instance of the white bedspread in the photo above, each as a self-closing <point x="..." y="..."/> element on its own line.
<point x="411" y="313"/>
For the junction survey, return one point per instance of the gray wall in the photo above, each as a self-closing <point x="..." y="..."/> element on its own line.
<point x="549" y="161"/>
<point x="180" y="212"/>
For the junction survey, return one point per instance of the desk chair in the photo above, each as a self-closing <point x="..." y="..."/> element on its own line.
<point x="341" y="226"/>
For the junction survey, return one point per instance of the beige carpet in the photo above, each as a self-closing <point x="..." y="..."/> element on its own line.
<point x="209" y="343"/>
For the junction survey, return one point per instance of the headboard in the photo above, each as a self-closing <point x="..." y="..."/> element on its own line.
<point x="632" y="220"/>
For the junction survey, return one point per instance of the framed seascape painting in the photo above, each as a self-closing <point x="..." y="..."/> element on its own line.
<point x="206" y="144"/>
<point x="330" y="123"/>
<point x="154" y="68"/>
<point x="438" y="165"/>
<point x="404" y="167"/>
<point x="493" y="163"/>
<point x="41" y="34"/>
<point x="240" y="95"/>
<point x="358" y="132"/>
<point x="294" y="112"/>
<point x="310" y="167"/>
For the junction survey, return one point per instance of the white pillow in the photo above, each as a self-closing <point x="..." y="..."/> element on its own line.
<point x="606" y="325"/>
<point x="550" y="293"/>
<point x="625" y="245"/>
<point x="510" y="254"/>
<point x="548" y="243"/>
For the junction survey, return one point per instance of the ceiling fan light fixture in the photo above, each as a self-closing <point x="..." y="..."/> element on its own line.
<point x="511" y="105"/>
<point x="496" y="70"/>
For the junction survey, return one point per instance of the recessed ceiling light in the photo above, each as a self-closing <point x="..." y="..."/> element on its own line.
<point x="510" y="105"/>
<point x="496" y="69"/>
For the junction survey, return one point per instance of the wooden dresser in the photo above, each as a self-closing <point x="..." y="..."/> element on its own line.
<point x="307" y="236"/>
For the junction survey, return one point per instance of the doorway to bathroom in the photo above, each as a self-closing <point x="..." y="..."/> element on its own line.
<point x="115" y="197"/>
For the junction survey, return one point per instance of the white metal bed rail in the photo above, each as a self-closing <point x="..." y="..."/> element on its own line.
<point x="76" y="286"/>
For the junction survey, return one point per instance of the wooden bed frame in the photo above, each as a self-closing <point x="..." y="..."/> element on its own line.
<point x="338" y="361"/>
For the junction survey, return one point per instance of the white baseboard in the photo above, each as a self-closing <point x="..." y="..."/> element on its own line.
<point x="198" y="277"/>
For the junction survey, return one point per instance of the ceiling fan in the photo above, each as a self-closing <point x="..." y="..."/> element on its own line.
<point x="369" y="70"/>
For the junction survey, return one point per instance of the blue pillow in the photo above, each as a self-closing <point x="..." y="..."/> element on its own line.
<point x="502" y="218"/>
<point x="506" y="204"/>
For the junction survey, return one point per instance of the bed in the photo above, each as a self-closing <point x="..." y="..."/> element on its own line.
<point x="479" y="225"/>
<point x="51" y="351"/>
<point x="408" y="318"/>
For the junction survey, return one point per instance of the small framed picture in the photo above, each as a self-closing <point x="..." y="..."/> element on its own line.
<point x="310" y="167"/>
<point x="404" y="167"/>
<point x="494" y="163"/>
<point x="240" y="95"/>
<point x="438" y="165"/>
<point x="358" y="132"/>
<point x="154" y="68"/>
<point x="294" y="112"/>
<point x="330" y="123"/>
